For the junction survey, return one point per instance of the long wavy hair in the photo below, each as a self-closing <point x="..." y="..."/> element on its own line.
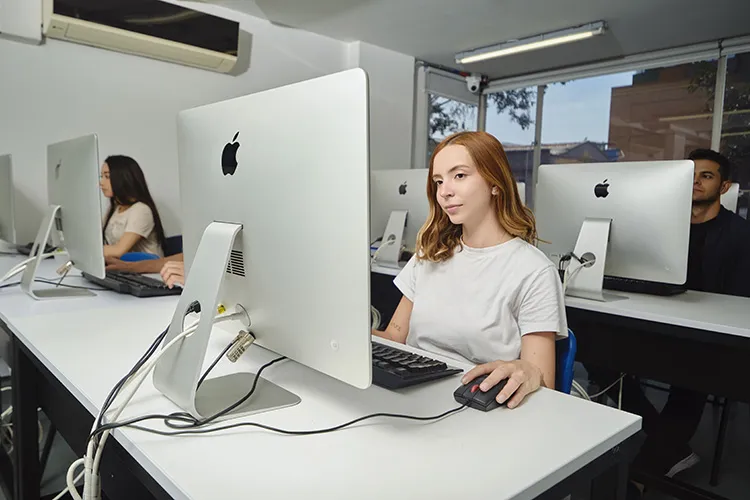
<point x="439" y="237"/>
<point x="128" y="187"/>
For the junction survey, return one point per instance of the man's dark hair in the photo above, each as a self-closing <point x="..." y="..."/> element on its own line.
<point x="725" y="167"/>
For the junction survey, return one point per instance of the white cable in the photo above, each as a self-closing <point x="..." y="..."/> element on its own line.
<point x="380" y="249"/>
<point x="581" y="391"/>
<point x="91" y="459"/>
<point x="71" y="482"/>
<point x="376" y="318"/>
<point x="19" y="268"/>
<point x="594" y="396"/>
<point x="619" y="400"/>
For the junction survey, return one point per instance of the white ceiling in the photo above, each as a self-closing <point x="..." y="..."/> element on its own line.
<point x="434" y="30"/>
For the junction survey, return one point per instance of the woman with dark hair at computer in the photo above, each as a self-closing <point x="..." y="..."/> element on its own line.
<point x="132" y="223"/>
<point x="477" y="289"/>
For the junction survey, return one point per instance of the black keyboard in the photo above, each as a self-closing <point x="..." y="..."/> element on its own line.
<point x="394" y="369"/>
<point x="640" y="286"/>
<point x="134" y="284"/>
<point x="26" y="249"/>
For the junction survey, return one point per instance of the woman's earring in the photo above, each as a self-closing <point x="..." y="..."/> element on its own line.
<point x="494" y="190"/>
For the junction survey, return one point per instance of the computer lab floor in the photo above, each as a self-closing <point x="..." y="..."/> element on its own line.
<point x="734" y="482"/>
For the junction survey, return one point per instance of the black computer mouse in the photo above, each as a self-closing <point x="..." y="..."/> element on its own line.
<point x="472" y="396"/>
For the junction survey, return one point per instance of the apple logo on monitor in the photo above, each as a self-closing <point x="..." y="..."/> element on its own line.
<point x="602" y="190"/>
<point x="402" y="188"/>
<point x="229" y="156"/>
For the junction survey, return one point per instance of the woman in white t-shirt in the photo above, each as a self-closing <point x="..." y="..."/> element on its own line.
<point x="132" y="223"/>
<point x="477" y="289"/>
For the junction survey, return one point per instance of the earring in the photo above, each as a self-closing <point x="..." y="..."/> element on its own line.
<point x="494" y="190"/>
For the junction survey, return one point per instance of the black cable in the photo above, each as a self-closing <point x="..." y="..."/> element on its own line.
<point x="130" y="423"/>
<point x="8" y="285"/>
<point x="216" y="361"/>
<point x="194" y="307"/>
<point x="51" y="282"/>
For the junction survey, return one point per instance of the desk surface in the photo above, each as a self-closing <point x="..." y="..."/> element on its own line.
<point x="698" y="310"/>
<point x="369" y="460"/>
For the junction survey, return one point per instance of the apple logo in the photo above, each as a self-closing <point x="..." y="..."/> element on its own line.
<point x="402" y="188"/>
<point x="601" y="190"/>
<point x="229" y="156"/>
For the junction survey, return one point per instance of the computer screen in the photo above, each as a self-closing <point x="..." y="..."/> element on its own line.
<point x="291" y="180"/>
<point x="74" y="216"/>
<point x="404" y="189"/>
<point x="7" y="222"/>
<point x="649" y="206"/>
<point x="730" y="199"/>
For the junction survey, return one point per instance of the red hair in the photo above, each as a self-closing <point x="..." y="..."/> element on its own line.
<point x="439" y="237"/>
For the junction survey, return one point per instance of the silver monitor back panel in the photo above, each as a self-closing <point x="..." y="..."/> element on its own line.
<point x="649" y="204"/>
<point x="291" y="165"/>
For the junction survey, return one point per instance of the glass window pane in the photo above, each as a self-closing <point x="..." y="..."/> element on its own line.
<point x="510" y="118"/>
<point x="735" y="131"/>
<point x="654" y="114"/>
<point x="448" y="116"/>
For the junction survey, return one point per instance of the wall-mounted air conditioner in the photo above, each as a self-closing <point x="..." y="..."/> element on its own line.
<point x="151" y="28"/>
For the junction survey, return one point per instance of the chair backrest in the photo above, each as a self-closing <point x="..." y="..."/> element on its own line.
<point x="565" y="354"/>
<point x="173" y="245"/>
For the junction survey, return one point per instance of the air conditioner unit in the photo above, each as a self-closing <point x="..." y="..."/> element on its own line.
<point x="151" y="28"/>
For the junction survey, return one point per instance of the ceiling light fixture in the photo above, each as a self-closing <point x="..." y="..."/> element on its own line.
<point x="532" y="43"/>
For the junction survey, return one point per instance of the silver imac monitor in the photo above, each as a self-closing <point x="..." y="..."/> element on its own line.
<point x="731" y="198"/>
<point x="521" y="186"/>
<point x="275" y="213"/>
<point x="74" y="217"/>
<point x="7" y="220"/>
<point x="629" y="219"/>
<point x="398" y="210"/>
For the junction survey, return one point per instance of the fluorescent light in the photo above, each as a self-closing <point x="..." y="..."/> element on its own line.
<point x="531" y="43"/>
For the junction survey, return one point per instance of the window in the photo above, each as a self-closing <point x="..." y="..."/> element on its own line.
<point x="654" y="114"/>
<point x="448" y="116"/>
<point x="510" y="118"/>
<point x="735" y="131"/>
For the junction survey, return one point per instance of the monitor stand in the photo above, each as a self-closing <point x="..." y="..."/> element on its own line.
<point x="7" y="247"/>
<point x="178" y="370"/>
<point x="37" y="253"/>
<point x="393" y="237"/>
<point x="587" y="283"/>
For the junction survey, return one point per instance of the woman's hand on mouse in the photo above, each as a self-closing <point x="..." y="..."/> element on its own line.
<point x="523" y="379"/>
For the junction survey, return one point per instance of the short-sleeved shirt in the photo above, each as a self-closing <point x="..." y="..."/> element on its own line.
<point x="136" y="219"/>
<point x="476" y="306"/>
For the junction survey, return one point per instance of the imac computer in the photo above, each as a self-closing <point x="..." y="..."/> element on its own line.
<point x="275" y="212"/>
<point x="398" y="210"/>
<point x="730" y="199"/>
<point x="521" y="186"/>
<point x="74" y="217"/>
<point x="7" y="221"/>
<point x="625" y="220"/>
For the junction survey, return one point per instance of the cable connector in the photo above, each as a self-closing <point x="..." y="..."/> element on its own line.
<point x="65" y="268"/>
<point x="241" y="342"/>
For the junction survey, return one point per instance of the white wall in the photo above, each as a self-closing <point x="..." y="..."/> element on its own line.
<point x="61" y="90"/>
<point x="391" y="82"/>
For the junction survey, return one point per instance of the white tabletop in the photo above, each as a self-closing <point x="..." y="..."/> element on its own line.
<point x="703" y="311"/>
<point x="508" y="452"/>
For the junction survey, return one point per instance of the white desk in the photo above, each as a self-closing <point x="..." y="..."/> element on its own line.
<point x="508" y="452"/>
<point x="698" y="310"/>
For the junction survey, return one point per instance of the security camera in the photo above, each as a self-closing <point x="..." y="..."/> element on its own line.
<point x="474" y="83"/>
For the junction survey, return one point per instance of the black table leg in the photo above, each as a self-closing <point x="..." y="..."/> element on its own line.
<point x="25" y="427"/>
<point x="719" y="447"/>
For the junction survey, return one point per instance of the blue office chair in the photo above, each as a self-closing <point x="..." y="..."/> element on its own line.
<point x="136" y="256"/>
<point x="565" y="354"/>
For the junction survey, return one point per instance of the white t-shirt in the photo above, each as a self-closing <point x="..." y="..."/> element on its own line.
<point x="475" y="306"/>
<point x="136" y="219"/>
